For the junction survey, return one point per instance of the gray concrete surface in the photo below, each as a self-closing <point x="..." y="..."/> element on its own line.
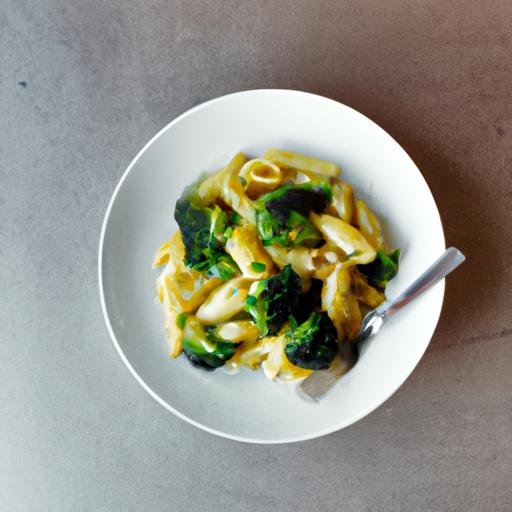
<point x="83" y="85"/>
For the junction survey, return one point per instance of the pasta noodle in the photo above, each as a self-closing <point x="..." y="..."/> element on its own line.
<point x="162" y="255"/>
<point x="346" y="237"/>
<point x="300" y="258"/>
<point x="340" y="304"/>
<point x="238" y="330"/>
<point x="343" y="201"/>
<point x="173" y="333"/>
<point x="232" y="191"/>
<point x="364" y="292"/>
<point x="246" y="249"/>
<point x="251" y="354"/>
<point x="186" y="293"/>
<point x="224" y="302"/>
<point x="300" y="162"/>
<point x="211" y="188"/>
<point x="369" y="225"/>
<point x="260" y="176"/>
<point x="279" y="254"/>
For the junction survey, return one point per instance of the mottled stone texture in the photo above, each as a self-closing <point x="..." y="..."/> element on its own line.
<point x="83" y="85"/>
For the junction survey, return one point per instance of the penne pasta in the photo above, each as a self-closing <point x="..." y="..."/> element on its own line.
<point x="346" y="237"/>
<point x="173" y="332"/>
<point x="278" y="253"/>
<point x="252" y="354"/>
<point x="211" y="188"/>
<point x="369" y="225"/>
<point x="364" y="292"/>
<point x="260" y="176"/>
<point x="232" y="191"/>
<point x="237" y="331"/>
<point x="301" y="260"/>
<point x="162" y="255"/>
<point x="287" y="159"/>
<point x="246" y="249"/>
<point x="225" y="301"/>
<point x="343" y="201"/>
<point x="186" y="292"/>
<point x="340" y="304"/>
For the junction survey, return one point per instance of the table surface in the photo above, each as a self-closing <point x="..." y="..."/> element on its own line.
<point x="83" y="85"/>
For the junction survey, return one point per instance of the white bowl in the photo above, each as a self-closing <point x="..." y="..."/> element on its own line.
<point x="247" y="407"/>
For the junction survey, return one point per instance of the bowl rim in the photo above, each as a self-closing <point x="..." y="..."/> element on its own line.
<point x="320" y="433"/>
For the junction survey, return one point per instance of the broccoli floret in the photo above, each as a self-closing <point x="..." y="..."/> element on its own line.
<point x="382" y="269"/>
<point x="302" y="198"/>
<point x="304" y="232"/>
<point x="281" y="215"/>
<point x="203" y="231"/>
<point x="273" y="300"/>
<point x="309" y="301"/>
<point x="203" y="347"/>
<point x="312" y="344"/>
<point x="269" y="228"/>
<point x="296" y="231"/>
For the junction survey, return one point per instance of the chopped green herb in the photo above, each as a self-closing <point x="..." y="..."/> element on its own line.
<point x="242" y="180"/>
<point x="257" y="266"/>
<point x="293" y="323"/>
<point x="250" y="300"/>
<point x="229" y="232"/>
<point x="181" y="320"/>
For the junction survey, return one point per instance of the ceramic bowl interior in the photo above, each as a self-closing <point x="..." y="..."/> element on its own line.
<point x="246" y="406"/>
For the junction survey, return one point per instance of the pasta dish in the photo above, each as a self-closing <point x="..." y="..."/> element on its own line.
<point x="274" y="264"/>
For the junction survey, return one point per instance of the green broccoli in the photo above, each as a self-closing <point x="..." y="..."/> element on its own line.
<point x="382" y="269"/>
<point x="203" y="231"/>
<point x="273" y="300"/>
<point x="312" y="344"/>
<point x="309" y="301"/>
<point x="281" y="215"/>
<point x="302" y="198"/>
<point x="203" y="347"/>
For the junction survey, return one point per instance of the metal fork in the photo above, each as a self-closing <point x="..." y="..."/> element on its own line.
<point x="318" y="383"/>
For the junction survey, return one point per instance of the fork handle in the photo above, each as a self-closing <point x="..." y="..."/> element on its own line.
<point x="445" y="264"/>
